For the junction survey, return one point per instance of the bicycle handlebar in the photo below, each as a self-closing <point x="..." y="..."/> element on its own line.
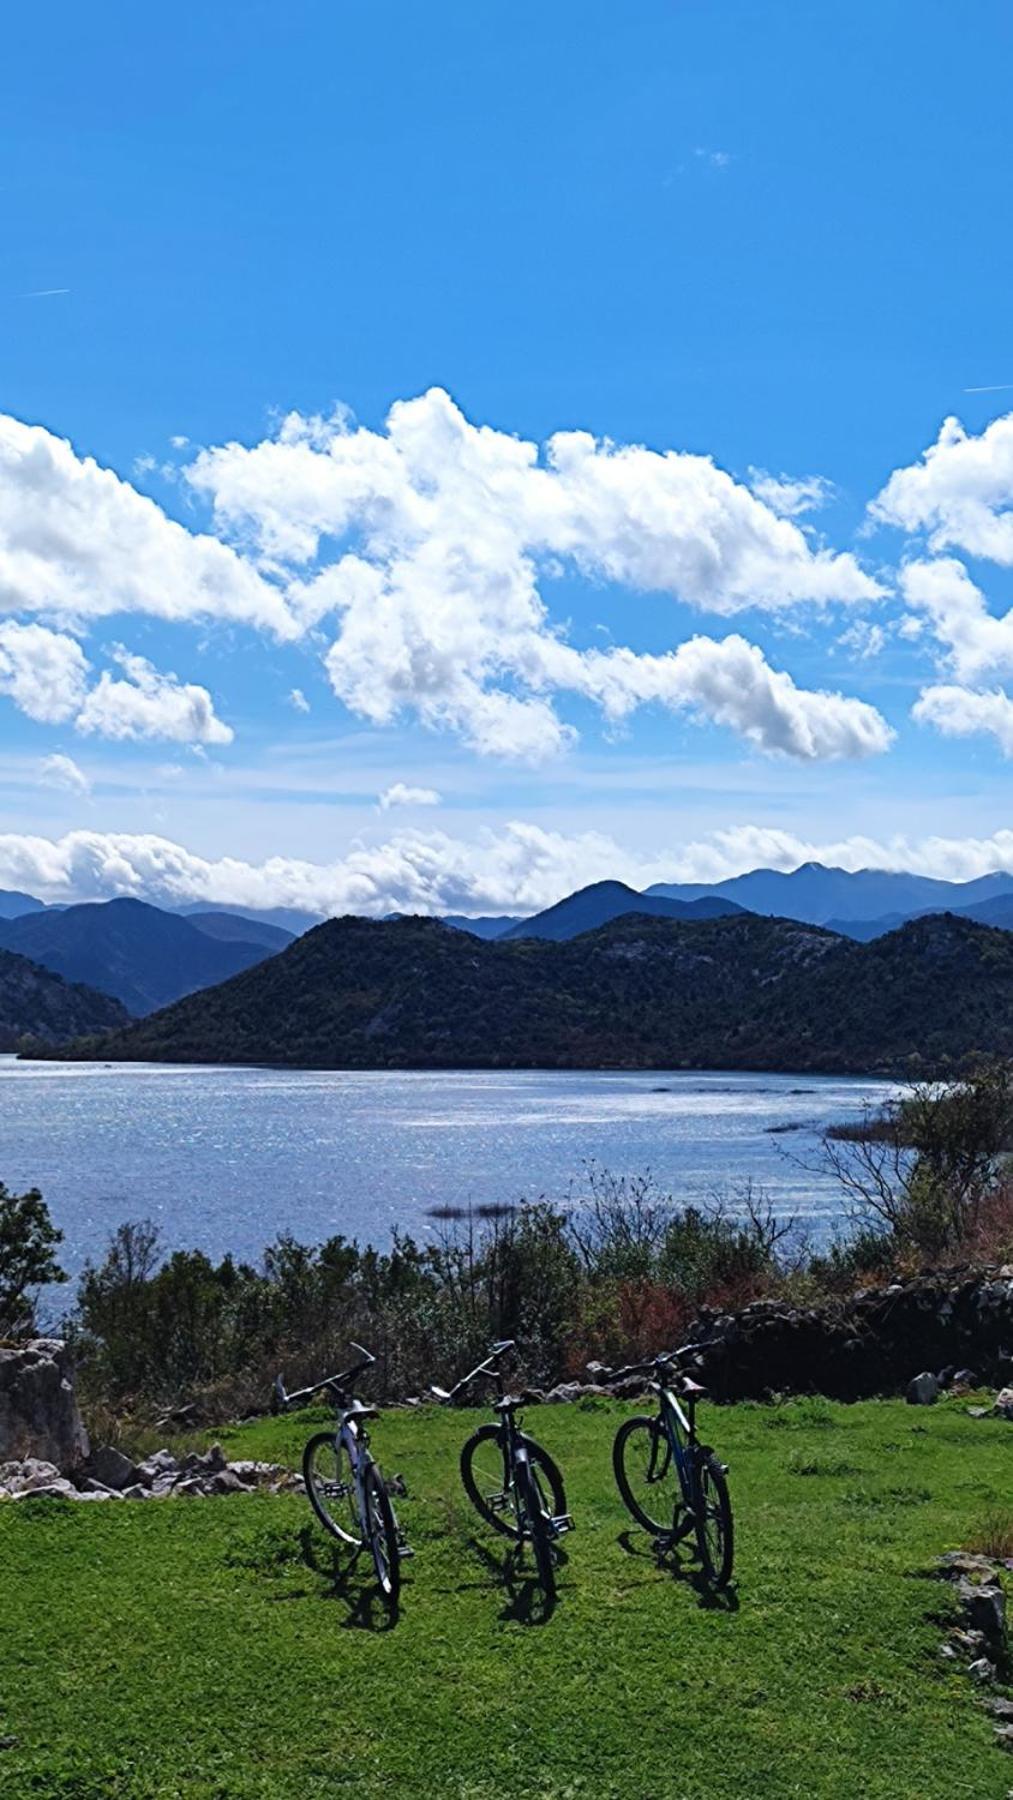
<point x="487" y="1368"/>
<point x="663" y="1358"/>
<point x="335" y="1383"/>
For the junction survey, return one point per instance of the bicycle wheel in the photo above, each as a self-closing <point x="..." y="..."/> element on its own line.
<point x="382" y="1533"/>
<point x="646" y="1473"/>
<point x="330" y="1488"/>
<point x="713" y="1510"/>
<point x="487" y="1481"/>
<point x="534" y="1504"/>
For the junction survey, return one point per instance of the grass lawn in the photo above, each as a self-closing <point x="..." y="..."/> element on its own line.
<point x="202" y="1648"/>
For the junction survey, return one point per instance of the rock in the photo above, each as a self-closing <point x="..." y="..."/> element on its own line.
<point x="38" y="1407"/>
<point x="225" y="1481"/>
<point x="984" y="1607"/>
<point x="31" y="1472"/>
<point x="981" y="1670"/>
<point x="966" y="1562"/>
<point x="965" y="1378"/>
<point x="1002" y="1708"/>
<point x="923" y="1390"/>
<point x="1003" y="1407"/>
<point x="61" y="1489"/>
<point x="136" y="1492"/>
<point x="111" y="1468"/>
<point x="1004" y="1737"/>
<point x="98" y="1490"/>
<point x="978" y="1412"/>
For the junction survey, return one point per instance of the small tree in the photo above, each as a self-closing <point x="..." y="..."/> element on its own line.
<point x="28" y="1240"/>
<point x="923" y="1168"/>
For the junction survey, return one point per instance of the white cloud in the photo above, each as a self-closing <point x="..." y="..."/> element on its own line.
<point x="43" y="672"/>
<point x="400" y="794"/>
<point x="77" y="541"/>
<point x="942" y="595"/>
<point x="790" y="496"/>
<point x="297" y="699"/>
<point x="63" y="772"/>
<point x="519" y="868"/>
<point x="149" y="704"/>
<point x="960" y="493"/>
<point x="863" y="639"/>
<point x="962" y="712"/>
<point x="446" y="534"/>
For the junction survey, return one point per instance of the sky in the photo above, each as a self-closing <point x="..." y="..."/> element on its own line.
<point x="449" y="454"/>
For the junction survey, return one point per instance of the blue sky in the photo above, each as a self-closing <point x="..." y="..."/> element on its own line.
<point x="776" y="237"/>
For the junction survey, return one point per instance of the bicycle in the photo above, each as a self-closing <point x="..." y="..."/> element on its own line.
<point x="343" y="1482"/>
<point x="660" y="1463"/>
<point x="512" y="1483"/>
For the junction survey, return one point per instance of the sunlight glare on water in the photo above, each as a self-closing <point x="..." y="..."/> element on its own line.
<point x="223" y="1159"/>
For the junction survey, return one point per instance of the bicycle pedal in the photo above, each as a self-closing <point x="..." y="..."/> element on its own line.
<point x="404" y="1551"/>
<point x="562" y="1522"/>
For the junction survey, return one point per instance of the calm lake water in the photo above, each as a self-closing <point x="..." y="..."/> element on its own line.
<point x="225" y="1158"/>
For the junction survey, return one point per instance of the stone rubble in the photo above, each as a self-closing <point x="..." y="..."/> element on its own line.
<point x="979" y="1638"/>
<point x="109" y="1475"/>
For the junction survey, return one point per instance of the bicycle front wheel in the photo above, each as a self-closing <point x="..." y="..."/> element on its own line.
<point x="330" y="1488"/>
<point x="382" y="1533"/>
<point x="535" y="1524"/>
<point x="714" y="1530"/>
<point x="646" y="1474"/>
<point x="488" y="1484"/>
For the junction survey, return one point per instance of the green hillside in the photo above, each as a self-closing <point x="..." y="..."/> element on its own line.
<point x="38" y="1005"/>
<point x="741" y="991"/>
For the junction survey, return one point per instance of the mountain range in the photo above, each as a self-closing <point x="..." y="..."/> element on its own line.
<point x="39" y="1006"/>
<point x="739" y="991"/>
<point x="141" y="956"/>
<point x="148" y="957"/>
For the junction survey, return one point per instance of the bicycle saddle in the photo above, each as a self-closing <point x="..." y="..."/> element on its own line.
<point x="358" y="1411"/>
<point x="686" y="1385"/>
<point x="507" y="1404"/>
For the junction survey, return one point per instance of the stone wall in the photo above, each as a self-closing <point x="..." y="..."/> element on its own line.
<point x="39" y="1414"/>
<point x="874" y="1343"/>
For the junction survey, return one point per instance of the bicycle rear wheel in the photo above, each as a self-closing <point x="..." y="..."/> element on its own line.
<point x="646" y="1474"/>
<point x="715" y="1535"/>
<point x="330" y="1488"/>
<point x="488" y="1485"/>
<point x="381" y="1530"/>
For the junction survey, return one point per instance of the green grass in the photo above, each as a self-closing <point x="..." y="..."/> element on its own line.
<point x="201" y="1648"/>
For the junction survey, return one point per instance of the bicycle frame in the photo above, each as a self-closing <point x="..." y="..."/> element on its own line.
<point x="679" y="1430"/>
<point x="353" y="1439"/>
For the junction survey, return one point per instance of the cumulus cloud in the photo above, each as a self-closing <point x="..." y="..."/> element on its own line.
<point x="78" y="542"/>
<point x="942" y="596"/>
<point x="521" y="867"/>
<point x="63" y="772"/>
<point x="148" y="704"/>
<point x="964" y="712"/>
<point x="43" y="672"/>
<point x="791" y="496"/>
<point x="400" y="794"/>
<point x="298" y="701"/>
<point x="443" y="536"/>
<point x="960" y="493"/>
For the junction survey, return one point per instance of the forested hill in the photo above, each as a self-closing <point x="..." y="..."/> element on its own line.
<point x="737" y="992"/>
<point x="38" y="1005"/>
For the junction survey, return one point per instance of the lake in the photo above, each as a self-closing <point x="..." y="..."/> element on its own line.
<point x="223" y="1159"/>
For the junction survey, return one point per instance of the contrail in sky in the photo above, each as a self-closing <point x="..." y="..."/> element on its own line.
<point x="43" y="293"/>
<point x="998" y="387"/>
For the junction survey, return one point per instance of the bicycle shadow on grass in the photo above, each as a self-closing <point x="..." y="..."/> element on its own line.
<point x="526" y="1601"/>
<point x="349" y="1579"/>
<point x="677" y="1561"/>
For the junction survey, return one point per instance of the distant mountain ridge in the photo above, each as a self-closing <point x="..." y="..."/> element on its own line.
<point x="817" y="894"/>
<point x="40" y="1006"/>
<point x="141" y="956"/>
<point x="604" y="901"/>
<point x="740" y="991"/>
